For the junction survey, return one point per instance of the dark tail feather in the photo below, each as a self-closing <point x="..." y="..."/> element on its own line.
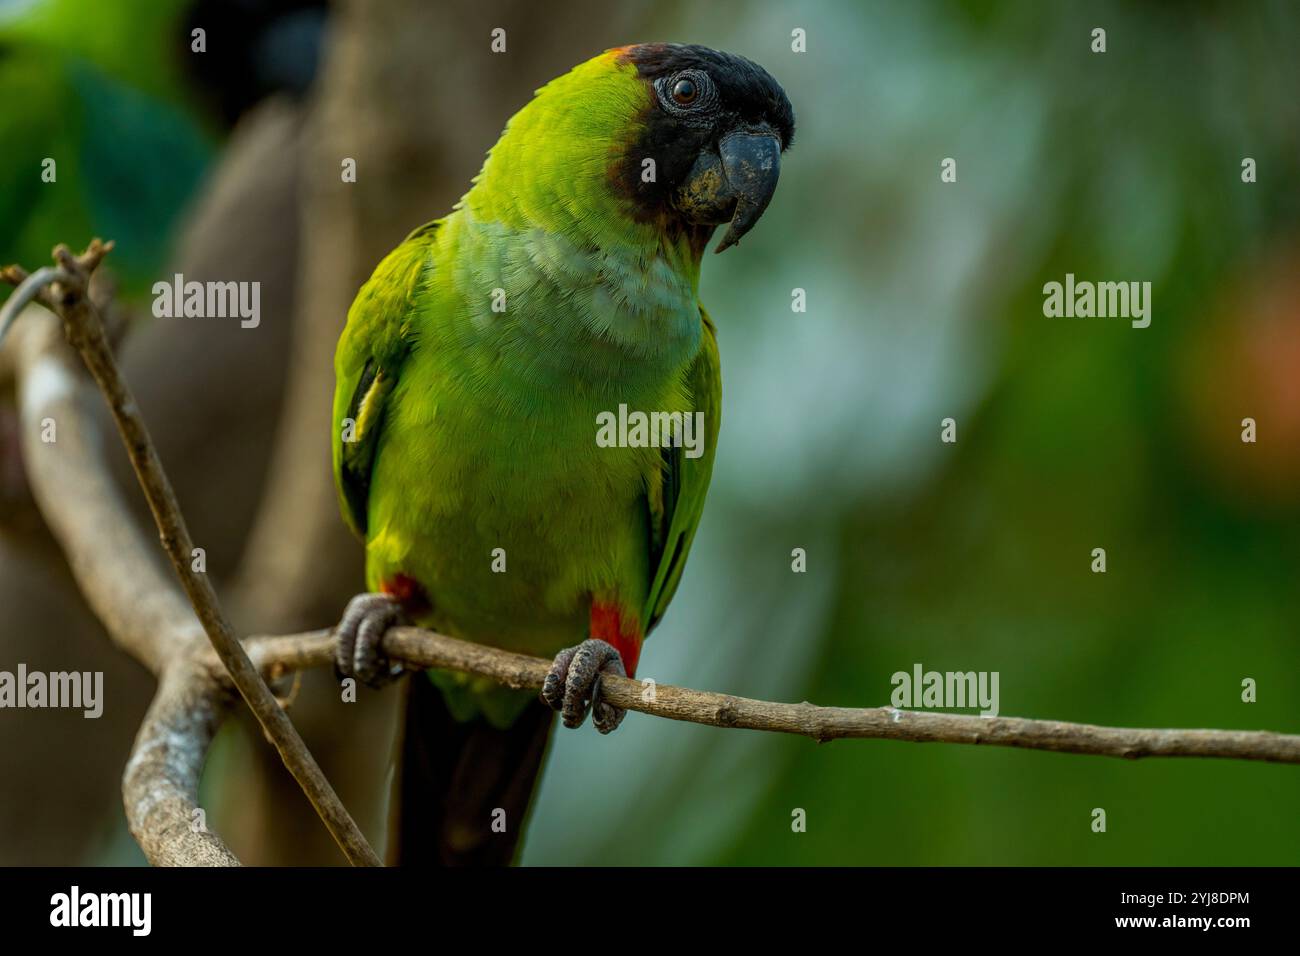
<point x="453" y="775"/>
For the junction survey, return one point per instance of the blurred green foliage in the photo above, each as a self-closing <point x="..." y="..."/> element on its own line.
<point x="95" y="88"/>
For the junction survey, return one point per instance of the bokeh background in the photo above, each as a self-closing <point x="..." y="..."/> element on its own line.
<point x="924" y="302"/>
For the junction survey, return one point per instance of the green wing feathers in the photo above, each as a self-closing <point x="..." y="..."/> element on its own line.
<point x="369" y="360"/>
<point x="676" y="501"/>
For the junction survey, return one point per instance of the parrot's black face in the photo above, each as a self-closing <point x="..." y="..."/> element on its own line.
<point x="716" y="128"/>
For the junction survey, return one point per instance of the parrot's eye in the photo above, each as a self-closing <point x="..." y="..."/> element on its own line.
<point x="689" y="94"/>
<point x="685" y="92"/>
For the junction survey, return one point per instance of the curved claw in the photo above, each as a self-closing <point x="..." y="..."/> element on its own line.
<point x="573" y="684"/>
<point x="358" y="652"/>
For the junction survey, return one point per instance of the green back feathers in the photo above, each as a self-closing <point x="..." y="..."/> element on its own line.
<point x="369" y="359"/>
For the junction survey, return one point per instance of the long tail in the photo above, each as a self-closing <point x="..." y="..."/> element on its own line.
<point x="453" y="776"/>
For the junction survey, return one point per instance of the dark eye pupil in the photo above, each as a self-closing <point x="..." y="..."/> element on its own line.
<point x="684" y="91"/>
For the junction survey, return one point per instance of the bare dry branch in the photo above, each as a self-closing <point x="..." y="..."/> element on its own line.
<point x="419" y="648"/>
<point x="28" y="288"/>
<point x="142" y="608"/>
<point x="65" y="293"/>
<point x="161" y="781"/>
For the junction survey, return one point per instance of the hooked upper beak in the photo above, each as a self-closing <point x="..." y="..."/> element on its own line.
<point x="735" y="184"/>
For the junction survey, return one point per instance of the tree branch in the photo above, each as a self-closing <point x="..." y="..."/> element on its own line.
<point x="425" y="649"/>
<point x="142" y="609"/>
<point x="65" y="292"/>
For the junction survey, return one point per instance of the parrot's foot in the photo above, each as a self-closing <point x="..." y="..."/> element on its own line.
<point x="358" y="651"/>
<point x="573" y="685"/>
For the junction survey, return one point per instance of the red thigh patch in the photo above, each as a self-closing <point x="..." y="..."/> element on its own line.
<point x="623" y="631"/>
<point x="408" y="591"/>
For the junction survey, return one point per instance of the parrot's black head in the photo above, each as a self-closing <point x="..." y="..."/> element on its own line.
<point x="715" y="128"/>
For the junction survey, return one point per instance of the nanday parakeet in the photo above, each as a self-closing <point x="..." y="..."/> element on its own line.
<point x="470" y="377"/>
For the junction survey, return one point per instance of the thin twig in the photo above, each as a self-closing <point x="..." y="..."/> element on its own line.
<point x="84" y="330"/>
<point x="29" y="288"/>
<point x="419" y="648"/>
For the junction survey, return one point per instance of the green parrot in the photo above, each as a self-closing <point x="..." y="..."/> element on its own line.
<point x="475" y="370"/>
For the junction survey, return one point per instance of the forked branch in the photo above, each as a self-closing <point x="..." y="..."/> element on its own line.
<point x="65" y="291"/>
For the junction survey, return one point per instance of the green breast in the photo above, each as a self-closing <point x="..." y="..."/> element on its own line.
<point x="489" y="453"/>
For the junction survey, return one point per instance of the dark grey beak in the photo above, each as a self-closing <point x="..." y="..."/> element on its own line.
<point x="734" y="184"/>
<point x="751" y="162"/>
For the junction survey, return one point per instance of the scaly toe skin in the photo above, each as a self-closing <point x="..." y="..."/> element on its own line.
<point x="358" y="649"/>
<point x="573" y="684"/>
<point x="553" y="687"/>
<point x="605" y="717"/>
